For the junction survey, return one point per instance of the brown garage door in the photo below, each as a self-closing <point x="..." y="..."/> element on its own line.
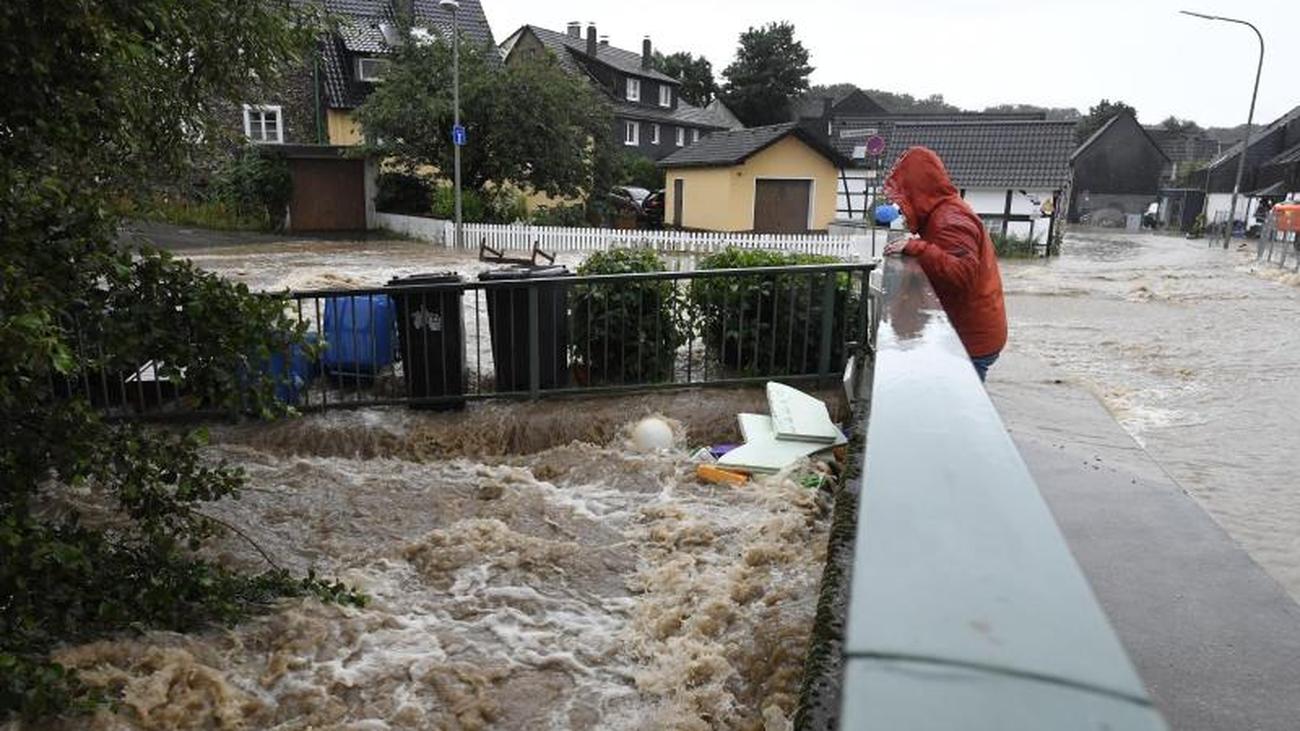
<point x="781" y="206"/>
<point x="328" y="195"/>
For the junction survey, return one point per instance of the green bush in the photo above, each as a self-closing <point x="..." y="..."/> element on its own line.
<point x="639" y="171"/>
<point x="188" y="211"/>
<point x="1011" y="246"/>
<point x="502" y="205"/>
<point x="254" y="185"/>
<point x="573" y="216"/>
<point x="627" y="332"/>
<point x="403" y="193"/>
<point x="770" y="324"/>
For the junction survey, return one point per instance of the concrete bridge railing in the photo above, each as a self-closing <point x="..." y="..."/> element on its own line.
<point x="967" y="610"/>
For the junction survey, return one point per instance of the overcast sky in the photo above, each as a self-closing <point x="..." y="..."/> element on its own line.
<point x="1060" y="53"/>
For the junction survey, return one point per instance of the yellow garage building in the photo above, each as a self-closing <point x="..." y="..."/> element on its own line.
<point x="775" y="179"/>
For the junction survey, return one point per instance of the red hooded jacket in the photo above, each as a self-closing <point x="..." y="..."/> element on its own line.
<point x="954" y="250"/>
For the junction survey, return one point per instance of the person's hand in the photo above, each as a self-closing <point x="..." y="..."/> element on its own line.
<point x="896" y="248"/>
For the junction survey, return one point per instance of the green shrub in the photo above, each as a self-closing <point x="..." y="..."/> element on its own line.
<point x="639" y="171"/>
<point x="189" y="211"/>
<point x="770" y="324"/>
<point x="572" y="216"/>
<point x="403" y="193"/>
<point x="502" y="205"/>
<point x="254" y="185"/>
<point x="627" y="332"/>
<point x="1011" y="246"/>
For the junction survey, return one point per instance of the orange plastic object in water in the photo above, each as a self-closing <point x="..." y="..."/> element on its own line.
<point x="719" y="476"/>
<point x="1288" y="216"/>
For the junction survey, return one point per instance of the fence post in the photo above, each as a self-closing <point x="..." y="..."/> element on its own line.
<point x="534" y="344"/>
<point x="828" y="324"/>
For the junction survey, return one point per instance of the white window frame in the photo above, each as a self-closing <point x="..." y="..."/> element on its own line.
<point x="262" y="110"/>
<point x="372" y="78"/>
<point x="665" y="95"/>
<point x="654" y="134"/>
<point x="695" y="135"/>
<point x="631" y="133"/>
<point x="633" y="89"/>
<point x="681" y="136"/>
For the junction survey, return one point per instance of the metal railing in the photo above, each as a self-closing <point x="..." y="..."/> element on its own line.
<point x="1274" y="242"/>
<point x="966" y="608"/>
<point x="443" y="342"/>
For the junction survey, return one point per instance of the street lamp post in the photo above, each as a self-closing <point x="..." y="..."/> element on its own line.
<point x="1250" y="119"/>
<point x="454" y="6"/>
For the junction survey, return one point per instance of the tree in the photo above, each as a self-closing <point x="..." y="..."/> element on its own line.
<point x="770" y="72"/>
<point x="1062" y="114"/>
<point x="1098" y="116"/>
<point x="528" y="123"/>
<point x="111" y="93"/>
<point x="696" y="75"/>
<point x="1186" y="126"/>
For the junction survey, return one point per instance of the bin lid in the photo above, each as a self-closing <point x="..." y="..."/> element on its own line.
<point x="524" y="272"/>
<point x="428" y="278"/>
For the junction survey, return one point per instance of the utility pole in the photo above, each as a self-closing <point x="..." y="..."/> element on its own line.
<point x="1250" y="119"/>
<point x="457" y="132"/>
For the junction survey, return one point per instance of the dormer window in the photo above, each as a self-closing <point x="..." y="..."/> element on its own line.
<point x="634" y="90"/>
<point x="371" y="69"/>
<point x="665" y="95"/>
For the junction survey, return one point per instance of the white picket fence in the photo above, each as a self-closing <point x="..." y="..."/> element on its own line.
<point x="522" y="237"/>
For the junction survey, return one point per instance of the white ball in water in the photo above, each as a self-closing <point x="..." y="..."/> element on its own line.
<point x="652" y="434"/>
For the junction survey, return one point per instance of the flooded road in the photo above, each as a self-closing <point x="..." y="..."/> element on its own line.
<point x="1196" y="353"/>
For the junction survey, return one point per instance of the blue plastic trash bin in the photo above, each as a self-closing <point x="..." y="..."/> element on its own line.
<point x="358" y="334"/>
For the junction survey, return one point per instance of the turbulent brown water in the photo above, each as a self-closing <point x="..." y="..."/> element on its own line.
<point x="583" y="585"/>
<point x="1196" y="352"/>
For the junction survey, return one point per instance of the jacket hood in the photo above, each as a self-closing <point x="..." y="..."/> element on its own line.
<point x="918" y="183"/>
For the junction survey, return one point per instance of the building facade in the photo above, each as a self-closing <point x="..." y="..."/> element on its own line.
<point x="773" y="179"/>
<point x="1117" y="172"/>
<point x="650" y="117"/>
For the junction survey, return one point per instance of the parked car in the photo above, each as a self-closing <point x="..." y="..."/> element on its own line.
<point x="652" y="210"/>
<point x="625" y="205"/>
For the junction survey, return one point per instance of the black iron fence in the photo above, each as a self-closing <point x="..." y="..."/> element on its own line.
<point x="528" y="332"/>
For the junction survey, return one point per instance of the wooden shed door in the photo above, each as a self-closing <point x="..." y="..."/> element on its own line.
<point x="328" y="195"/>
<point x="781" y="206"/>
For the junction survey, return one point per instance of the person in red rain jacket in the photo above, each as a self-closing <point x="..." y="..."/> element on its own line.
<point x="954" y="249"/>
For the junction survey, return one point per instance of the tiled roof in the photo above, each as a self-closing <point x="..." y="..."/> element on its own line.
<point x="342" y="90"/>
<point x="1287" y="157"/>
<point x="359" y="34"/>
<point x="684" y="115"/>
<point x="986" y="154"/>
<point x="1115" y="119"/>
<point x="735" y="146"/>
<point x="1256" y="137"/>
<point x="629" y="62"/>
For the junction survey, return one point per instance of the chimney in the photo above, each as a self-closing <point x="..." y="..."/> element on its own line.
<point x="575" y="29"/>
<point x="647" y="57"/>
<point x="591" y="39"/>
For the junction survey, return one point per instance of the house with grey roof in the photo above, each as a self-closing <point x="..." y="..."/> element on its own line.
<point x="778" y="178"/>
<point x="650" y="117"/>
<point x="1272" y="170"/>
<point x="307" y="118"/>
<point x="1014" y="172"/>
<point x="315" y="104"/>
<point x="1117" y="172"/>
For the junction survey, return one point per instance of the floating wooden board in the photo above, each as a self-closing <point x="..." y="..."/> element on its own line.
<point x="798" y="416"/>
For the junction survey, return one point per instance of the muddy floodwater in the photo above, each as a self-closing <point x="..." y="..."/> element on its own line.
<point x="1196" y="353"/>
<point x="543" y="577"/>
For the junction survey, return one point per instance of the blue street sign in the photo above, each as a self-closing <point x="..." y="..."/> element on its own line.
<point x="458" y="135"/>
